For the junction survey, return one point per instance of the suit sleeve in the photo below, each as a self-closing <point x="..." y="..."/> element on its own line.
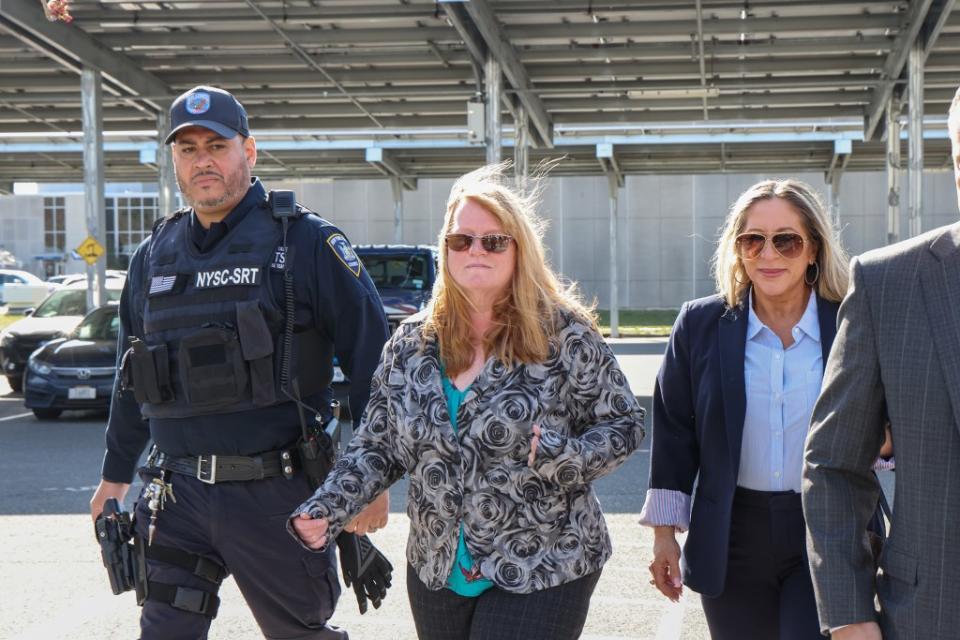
<point x="675" y="449"/>
<point x="127" y="432"/>
<point x="839" y="488"/>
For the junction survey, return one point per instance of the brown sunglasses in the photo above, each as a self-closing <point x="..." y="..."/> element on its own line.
<point x="492" y="243"/>
<point x="749" y="246"/>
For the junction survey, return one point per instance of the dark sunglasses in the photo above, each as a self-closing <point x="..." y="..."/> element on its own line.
<point x="749" y="246"/>
<point x="493" y="243"/>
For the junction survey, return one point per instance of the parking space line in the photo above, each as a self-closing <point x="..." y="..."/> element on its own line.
<point x="14" y="417"/>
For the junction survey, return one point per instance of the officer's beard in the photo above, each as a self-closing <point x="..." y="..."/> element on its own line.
<point x="235" y="186"/>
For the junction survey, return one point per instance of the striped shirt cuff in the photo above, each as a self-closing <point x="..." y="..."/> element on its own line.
<point x="666" y="507"/>
<point x="885" y="465"/>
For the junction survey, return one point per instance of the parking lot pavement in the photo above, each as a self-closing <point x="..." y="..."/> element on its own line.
<point x="53" y="585"/>
<point x="52" y="582"/>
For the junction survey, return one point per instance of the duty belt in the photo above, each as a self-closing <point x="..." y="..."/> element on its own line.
<point x="216" y="468"/>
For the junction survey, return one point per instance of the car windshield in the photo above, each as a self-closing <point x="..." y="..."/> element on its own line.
<point x="68" y="302"/>
<point x="102" y="324"/>
<point x="397" y="271"/>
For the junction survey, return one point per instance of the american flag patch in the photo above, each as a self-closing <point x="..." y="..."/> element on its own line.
<point x="162" y="284"/>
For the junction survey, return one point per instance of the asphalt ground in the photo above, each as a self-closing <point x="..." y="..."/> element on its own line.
<point x="53" y="585"/>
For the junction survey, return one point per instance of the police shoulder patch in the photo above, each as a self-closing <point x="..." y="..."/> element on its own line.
<point x="345" y="253"/>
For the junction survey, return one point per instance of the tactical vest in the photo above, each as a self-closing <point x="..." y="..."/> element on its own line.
<point x="213" y="333"/>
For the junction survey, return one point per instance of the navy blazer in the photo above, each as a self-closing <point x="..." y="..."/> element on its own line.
<point x="699" y="405"/>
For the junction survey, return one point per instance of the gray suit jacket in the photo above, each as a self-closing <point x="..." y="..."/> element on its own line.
<point x="897" y="354"/>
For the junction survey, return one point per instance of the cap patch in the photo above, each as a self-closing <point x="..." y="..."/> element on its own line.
<point x="341" y="247"/>
<point x="198" y="102"/>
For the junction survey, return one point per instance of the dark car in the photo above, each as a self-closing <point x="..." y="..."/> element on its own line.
<point x="404" y="276"/>
<point x="56" y="316"/>
<point x="75" y="372"/>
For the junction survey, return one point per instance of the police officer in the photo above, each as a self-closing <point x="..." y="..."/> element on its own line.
<point x="226" y="388"/>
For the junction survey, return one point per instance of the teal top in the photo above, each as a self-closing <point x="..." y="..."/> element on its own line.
<point x="465" y="578"/>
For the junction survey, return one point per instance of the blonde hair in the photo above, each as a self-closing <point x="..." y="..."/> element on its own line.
<point x="953" y="114"/>
<point x="525" y="316"/>
<point x="731" y="277"/>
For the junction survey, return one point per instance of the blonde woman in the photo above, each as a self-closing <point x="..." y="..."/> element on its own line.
<point x="503" y="403"/>
<point x="732" y="405"/>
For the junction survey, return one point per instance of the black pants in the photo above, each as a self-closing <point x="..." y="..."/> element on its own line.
<point x="552" y="614"/>
<point x="291" y="591"/>
<point x="768" y="594"/>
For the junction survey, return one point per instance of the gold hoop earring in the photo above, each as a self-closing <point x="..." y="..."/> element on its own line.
<point x="806" y="276"/>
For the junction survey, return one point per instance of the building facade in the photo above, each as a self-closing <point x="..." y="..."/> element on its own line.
<point x="667" y="225"/>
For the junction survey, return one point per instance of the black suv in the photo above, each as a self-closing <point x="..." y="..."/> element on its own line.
<point x="403" y="275"/>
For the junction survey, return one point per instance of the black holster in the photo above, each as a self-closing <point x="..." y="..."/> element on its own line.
<point x="318" y="451"/>
<point x="114" y="531"/>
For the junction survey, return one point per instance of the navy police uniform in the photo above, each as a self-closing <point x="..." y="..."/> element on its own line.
<point x="207" y="310"/>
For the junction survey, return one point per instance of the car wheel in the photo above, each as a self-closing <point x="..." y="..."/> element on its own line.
<point x="16" y="383"/>
<point x="47" y="414"/>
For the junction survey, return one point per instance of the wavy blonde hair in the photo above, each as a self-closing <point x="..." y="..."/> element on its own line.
<point x="832" y="260"/>
<point x="525" y="316"/>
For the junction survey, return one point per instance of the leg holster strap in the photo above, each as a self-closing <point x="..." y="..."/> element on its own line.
<point x="202" y="567"/>
<point x="184" y="598"/>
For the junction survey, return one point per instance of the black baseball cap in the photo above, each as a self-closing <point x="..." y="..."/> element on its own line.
<point x="208" y="107"/>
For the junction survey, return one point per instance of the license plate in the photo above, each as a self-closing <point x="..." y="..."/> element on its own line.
<point x="82" y="393"/>
<point x="338" y="375"/>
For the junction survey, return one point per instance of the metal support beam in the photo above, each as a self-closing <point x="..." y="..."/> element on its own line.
<point x="499" y="47"/>
<point x="521" y="150"/>
<point x="611" y="167"/>
<point x="915" y="136"/>
<point x="308" y="59"/>
<point x="467" y="31"/>
<point x="166" y="178"/>
<point x="893" y="170"/>
<point x="834" y="182"/>
<point x="923" y="21"/>
<point x="93" y="201"/>
<point x="703" y="71"/>
<point x="74" y="49"/>
<point x="378" y="157"/>
<point x="396" y="187"/>
<point x="841" y="156"/>
<point x="493" y="81"/>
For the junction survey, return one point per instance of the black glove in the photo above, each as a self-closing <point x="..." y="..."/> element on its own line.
<point x="365" y="568"/>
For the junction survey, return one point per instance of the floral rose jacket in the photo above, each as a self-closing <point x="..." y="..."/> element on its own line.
<point x="530" y="528"/>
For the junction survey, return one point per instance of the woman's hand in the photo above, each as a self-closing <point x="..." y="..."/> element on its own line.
<point x="665" y="567"/>
<point x="534" y="441"/>
<point x="373" y="518"/>
<point x="313" y="532"/>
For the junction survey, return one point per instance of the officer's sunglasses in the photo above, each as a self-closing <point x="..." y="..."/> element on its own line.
<point x="749" y="246"/>
<point x="493" y="243"/>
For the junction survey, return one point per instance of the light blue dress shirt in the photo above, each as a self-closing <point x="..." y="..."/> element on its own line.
<point x="782" y="386"/>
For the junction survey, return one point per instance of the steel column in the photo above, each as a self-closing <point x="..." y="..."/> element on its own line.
<point x="893" y="170"/>
<point x="521" y="147"/>
<point x="91" y="87"/>
<point x="835" y="197"/>
<point x="166" y="178"/>
<point x="915" y="134"/>
<point x="614" y="189"/>
<point x="493" y="80"/>
<point x="396" y="186"/>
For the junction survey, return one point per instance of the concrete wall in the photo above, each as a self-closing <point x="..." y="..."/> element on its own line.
<point x="21" y="228"/>
<point x="668" y="225"/>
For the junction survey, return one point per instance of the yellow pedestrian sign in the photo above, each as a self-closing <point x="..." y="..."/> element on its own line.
<point x="90" y="250"/>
